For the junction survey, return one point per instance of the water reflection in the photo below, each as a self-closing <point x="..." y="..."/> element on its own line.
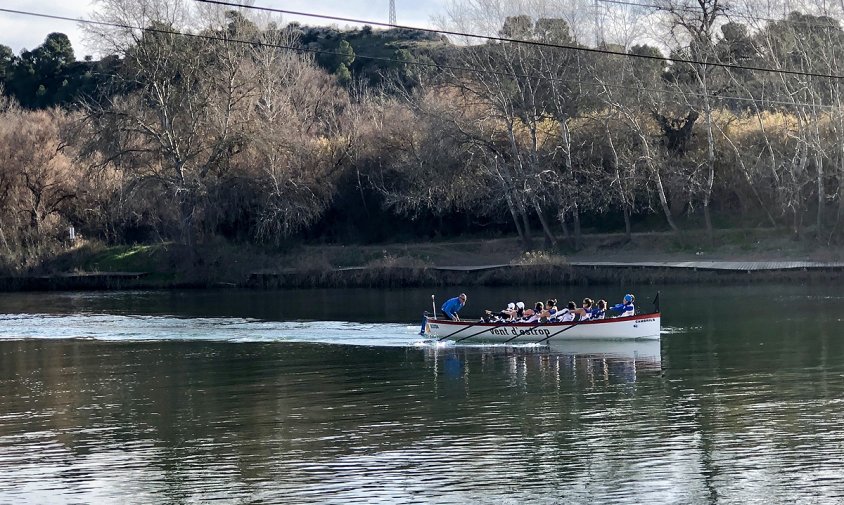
<point x="176" y="421"/>
<point x="579" y="361"/>
<point x="184" y="405"/>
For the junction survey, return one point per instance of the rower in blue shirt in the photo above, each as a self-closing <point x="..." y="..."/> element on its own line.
<point x="452" y="306"/>
<point x="626" y="308"/>
<point x="598" y="310"/>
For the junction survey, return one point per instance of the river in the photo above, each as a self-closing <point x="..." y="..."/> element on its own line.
<point x="330" y="396"/>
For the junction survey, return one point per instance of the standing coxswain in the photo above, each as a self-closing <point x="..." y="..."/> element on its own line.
<point x="449" y="308"/>
<point x="452" y="306"/>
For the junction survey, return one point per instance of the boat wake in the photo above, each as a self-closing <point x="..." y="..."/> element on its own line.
<point x="136" y="328"/>
<point x="109" y="327"/>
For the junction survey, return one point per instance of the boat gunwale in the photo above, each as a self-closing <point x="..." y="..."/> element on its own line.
<point x="517" y="324"/>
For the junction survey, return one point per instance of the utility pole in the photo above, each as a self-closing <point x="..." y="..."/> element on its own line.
<point x="392" y="12"/>
<point x="599" y="26"/>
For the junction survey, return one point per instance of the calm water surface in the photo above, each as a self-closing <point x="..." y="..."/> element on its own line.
<point x="329" y="396"/>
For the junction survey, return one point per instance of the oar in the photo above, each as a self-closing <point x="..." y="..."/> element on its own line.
<point x="434" y="306"/>
<point x="499" y="325"/>
<point x="566" y="311"/>
<point x="561" y="331"/>
<point x="458" y="331"/>
<point x="506" y="323"/>
<point x="522" y="333"/>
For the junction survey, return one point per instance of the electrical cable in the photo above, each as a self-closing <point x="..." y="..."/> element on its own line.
<point x="593" y="50"/>
<point x="726" y="12"/>
<point x="411" y="62"/>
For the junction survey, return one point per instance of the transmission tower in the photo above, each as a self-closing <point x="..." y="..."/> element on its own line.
<point x="392" y="12"/>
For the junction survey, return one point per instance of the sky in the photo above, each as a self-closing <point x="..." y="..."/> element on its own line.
<point x="25" y="32"/>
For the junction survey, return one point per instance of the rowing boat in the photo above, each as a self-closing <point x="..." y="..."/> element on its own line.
<point x="640" y="326"/>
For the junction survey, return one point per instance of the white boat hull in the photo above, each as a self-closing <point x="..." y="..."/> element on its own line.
<point x="643" y="326"/>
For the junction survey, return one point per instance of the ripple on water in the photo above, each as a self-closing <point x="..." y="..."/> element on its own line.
<point x="160" y="409"/>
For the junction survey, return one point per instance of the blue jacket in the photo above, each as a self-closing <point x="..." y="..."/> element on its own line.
<point x="451" y="307"/>
<point x="622" y="307"/>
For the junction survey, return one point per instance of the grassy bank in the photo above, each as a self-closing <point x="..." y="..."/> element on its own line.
<point x="156" y="266"/>
<point x="464" y="262"/>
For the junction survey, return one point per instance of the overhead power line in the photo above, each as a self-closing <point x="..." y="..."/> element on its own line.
<point x="572" y="82"/>
<point x="726" y="12"/>
<point x="593" y="50"/>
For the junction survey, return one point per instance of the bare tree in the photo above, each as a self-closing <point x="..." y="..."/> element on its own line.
<point x="693" y="26"/>
<point x="298" y="140"/>
<point x="184" y="113"/>
<point x="37" y="179"/>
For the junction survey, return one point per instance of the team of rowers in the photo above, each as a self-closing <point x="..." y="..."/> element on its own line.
<point x="546" y="312"/>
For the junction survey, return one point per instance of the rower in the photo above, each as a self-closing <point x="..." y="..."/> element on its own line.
<point x="599" y="310"/>
<point x="568" y="314"/>
<point x="626" y="307"/>
<point x="508" y="313"/>
<point x="551" y="307"/>
<point x="585" y="310"/>
<point x="538" y="314"/>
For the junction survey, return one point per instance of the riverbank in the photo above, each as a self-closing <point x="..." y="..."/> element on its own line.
<point x="737" y="256"/>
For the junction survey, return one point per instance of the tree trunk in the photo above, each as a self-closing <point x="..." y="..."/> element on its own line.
<point x="523" y="215"/>
<point x="566" y="137"/>
<point x="360" y="190"/>
<point x="5" y="243"/>
<point x="749" y="179"/>
<point x="34" y="222"/>
<point x="710" y="162"/>
<point x="186" y="210"/>
<point x="578" y="237"/>
<point x="550" y="240"/>
<point x="625" y="206"/>
<point x="821" y="196"/>
<point x="564" y="226"/>
<point x="516" y="207"/>
<point x="707" y="218"/>
<point x="797" y="222"/>
<point x="520" y="204"/>
<point x="839" y="167"/>
<point x="515" y="215"/>
<point x="528" y="241"/>
<point x="663" y="202"/>
<point x="840" y="211"/>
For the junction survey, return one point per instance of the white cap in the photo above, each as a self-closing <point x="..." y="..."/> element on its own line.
<point x="520" y="305"/>
<point x="511" y="306"/>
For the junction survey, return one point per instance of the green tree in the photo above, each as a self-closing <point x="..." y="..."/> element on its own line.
<point x="517" y="27"/>
<point x="553" y="30"/>
<point x="650" y="70"/>
<point x="346" y="54"/>
<point x="38" y="77"/>
<point x="345" y="57"/>
<point x="7" y="58"/>
<point x="344" y="76"/>
<point x="413" y="67"/>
